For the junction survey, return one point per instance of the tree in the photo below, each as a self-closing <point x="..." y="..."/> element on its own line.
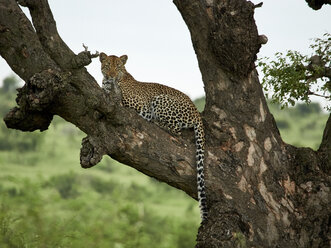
<point x="10" y="84"/>
<point x="295" y="76"/>
<point x="261" y="191"/>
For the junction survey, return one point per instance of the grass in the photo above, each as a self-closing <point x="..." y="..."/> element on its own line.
<point x="301" y="126"/>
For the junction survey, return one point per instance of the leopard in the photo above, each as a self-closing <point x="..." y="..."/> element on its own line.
<point x="167" y="107"/>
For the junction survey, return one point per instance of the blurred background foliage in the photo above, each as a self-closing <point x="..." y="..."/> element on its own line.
<point x="48" y="200"/>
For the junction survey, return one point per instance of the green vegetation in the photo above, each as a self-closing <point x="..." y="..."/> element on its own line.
<point x="301" y="125"/>
<point x="293" y="76"/>
<point x="48" y="200"/>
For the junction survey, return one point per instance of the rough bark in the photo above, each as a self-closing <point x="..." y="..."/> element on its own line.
<point x="261" y="191"/>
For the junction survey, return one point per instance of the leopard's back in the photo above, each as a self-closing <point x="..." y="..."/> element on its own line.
<point x="162" y="100"/>
<point x="136" y="94"/>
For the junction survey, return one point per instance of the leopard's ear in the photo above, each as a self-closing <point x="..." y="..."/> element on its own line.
<point x="102" y="56"/>
<point x="124" y="58"/>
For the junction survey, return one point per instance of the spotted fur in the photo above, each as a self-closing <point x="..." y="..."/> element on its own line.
<point x="167" y="107"/>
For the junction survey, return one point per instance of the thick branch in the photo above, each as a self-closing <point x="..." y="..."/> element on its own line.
<point x="49" y="37"/>
<point x="19" y="45"/>
<point x="325" y="147"/>
<point x="35" y="100"/>
<point x="317" y="68"/>
<point x="317" y="4"/>
<point x="228" y="28"/>
<point x="222" y="32"/>
<point x="28" y="120"/>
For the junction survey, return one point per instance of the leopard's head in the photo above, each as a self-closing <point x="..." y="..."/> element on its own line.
<point x="112" y="67"/>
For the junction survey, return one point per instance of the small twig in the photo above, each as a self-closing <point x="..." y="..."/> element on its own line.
<point x="85" y="48"/>
<point x="259" y="5"/>
<point x="93" y="55"/>
<point x="315" y="94"/>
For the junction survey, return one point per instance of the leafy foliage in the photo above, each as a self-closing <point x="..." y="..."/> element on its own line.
<point x="293" y="76"/>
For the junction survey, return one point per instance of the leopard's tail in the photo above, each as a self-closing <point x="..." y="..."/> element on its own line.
<point x="200" y="149"/>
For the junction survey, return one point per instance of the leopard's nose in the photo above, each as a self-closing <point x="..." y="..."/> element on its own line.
<point x="112" y="74"/>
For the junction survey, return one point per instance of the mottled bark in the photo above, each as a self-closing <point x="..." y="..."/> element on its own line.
<point x="261" y="191"/>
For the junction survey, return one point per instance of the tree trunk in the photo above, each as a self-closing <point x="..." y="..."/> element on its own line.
<point x="261" y="192"/>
